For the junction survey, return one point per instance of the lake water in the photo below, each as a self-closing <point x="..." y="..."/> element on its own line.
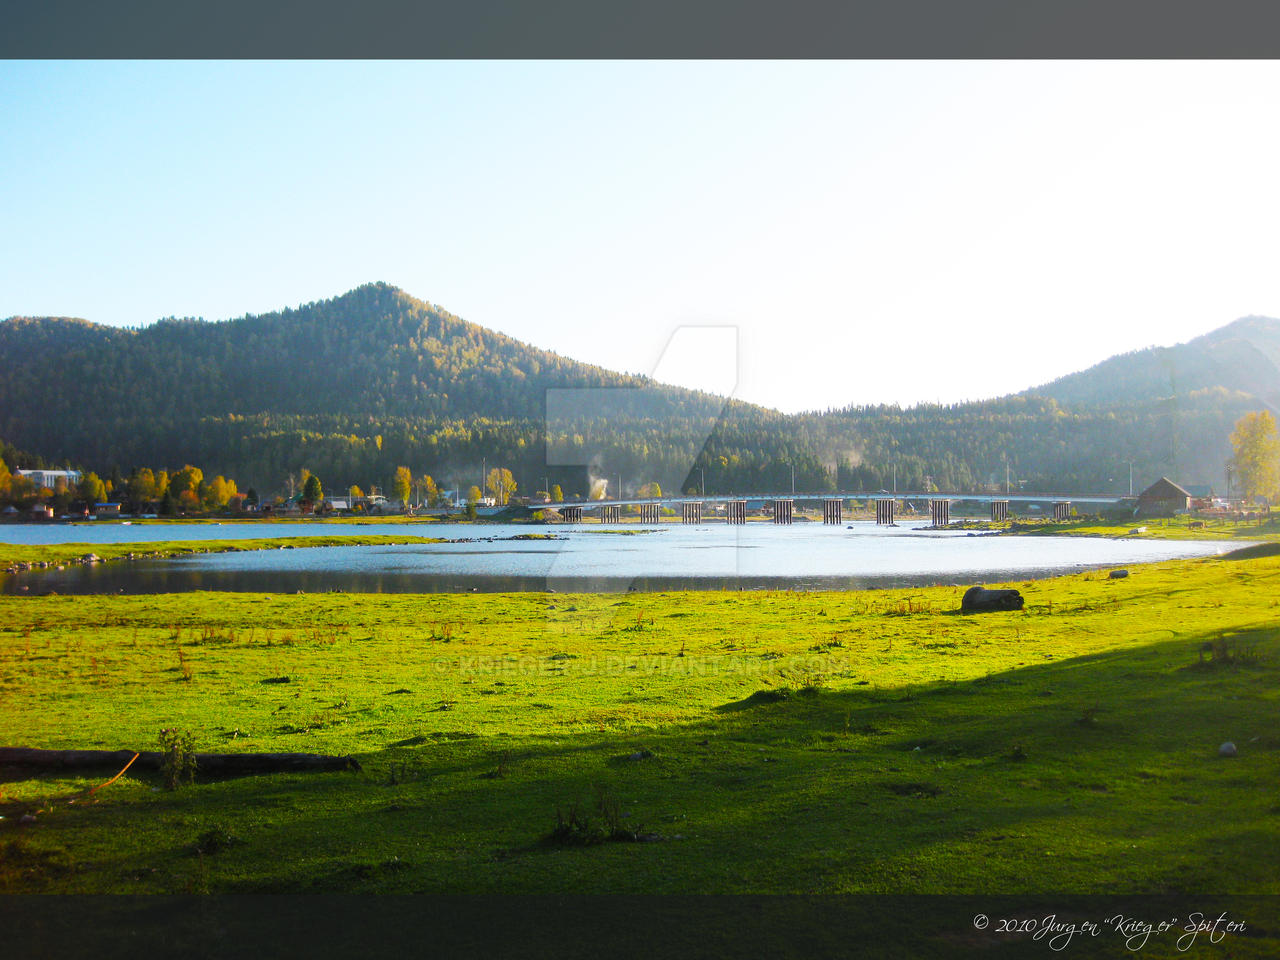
<point x="589" y="557"/>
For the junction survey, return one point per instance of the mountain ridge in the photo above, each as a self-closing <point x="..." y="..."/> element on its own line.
<point x="357" y="383"/>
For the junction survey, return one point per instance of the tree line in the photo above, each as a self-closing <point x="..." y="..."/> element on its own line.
<point x="356" y="387"/>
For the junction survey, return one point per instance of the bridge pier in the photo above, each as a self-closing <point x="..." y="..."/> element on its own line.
<point x="691" y="511"/>
<point x="782" y="511"/>
<point x="831" y="510"/>
<point x="650" y="512"/>
<point x="1062" y="510"/>
<point x="884" y="512"/>
<point x="940" y="512"/>
<point x="571" y="514"/>
<point x="735" y="511"/>
<point x="999" y="511"/>
<point x="611" y="514"/>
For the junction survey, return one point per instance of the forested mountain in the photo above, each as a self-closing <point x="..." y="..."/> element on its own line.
<point x="1243" y="356"/>
<point x="355" y="386"/>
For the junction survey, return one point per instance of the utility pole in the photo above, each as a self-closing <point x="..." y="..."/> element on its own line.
<point x="1006" y="477"/>
<point x="895" y="478"/>
<point x="484" y="473"/>
<point x="703" y="471"/>
<point x="793" y="479"/>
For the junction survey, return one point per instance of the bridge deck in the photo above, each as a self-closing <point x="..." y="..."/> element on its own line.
<point x="1083" y="499"/>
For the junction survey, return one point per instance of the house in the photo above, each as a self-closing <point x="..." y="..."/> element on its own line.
<point x="1163" y="498"/>
<point x="1202" y="496"/>
<point x="50" y="478"/>
<point x="105" y="510"/>
<point x="41" y="512"/>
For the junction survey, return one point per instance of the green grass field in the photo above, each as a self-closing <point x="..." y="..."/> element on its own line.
<point x="717" y="742"/>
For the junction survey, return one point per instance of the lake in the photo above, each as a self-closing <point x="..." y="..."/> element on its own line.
<point x="588" y="557"/>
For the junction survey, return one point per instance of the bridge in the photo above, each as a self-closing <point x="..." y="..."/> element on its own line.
<point x="690" y="508"/>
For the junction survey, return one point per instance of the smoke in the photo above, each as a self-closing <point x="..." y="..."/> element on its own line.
<point x="851" y="455"/>
<point x="599" y="488"/>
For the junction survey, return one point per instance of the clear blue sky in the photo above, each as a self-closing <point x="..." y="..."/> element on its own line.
<point x="876" y="231"/>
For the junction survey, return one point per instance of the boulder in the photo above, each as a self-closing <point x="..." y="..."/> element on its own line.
<point x="982" y="600"/>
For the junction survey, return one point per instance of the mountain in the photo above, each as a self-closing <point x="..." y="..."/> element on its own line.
<point x="354" y="386"/>
<point x="1243" y="356"/>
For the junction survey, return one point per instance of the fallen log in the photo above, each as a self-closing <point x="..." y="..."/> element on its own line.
<point x="215" y="763"/>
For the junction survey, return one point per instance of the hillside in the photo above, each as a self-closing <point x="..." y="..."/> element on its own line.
<point x="354" y="386"/>
<point x="1243" y="356"/>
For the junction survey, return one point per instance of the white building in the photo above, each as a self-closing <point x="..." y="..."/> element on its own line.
<point x="49" y="478"/>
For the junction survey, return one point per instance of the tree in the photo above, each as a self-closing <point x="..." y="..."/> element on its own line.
<point x="557" y="495"/>
<point x="501" y="484"/>
<point x="430" y="492"/>
<point x="474" y="495"/>
<point x="186" y="479"/>
<point x="141" y="487"/>
<point x="355" y="493"/>
<point x="5" y="478"/>
<point x="402" y="484"/>
<point x="217" y="492"/>
<point x="1255" y="462"/>
<point x="251" y="498"/>
<point x="91" y="489"/>
<point x="311" y="490"/>
<point x="650" y="491"/>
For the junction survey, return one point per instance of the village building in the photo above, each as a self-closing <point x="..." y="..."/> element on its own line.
<point x="1202" y="496"/>
<point x="50" y="478"/>
<point x="1163" y="498"/>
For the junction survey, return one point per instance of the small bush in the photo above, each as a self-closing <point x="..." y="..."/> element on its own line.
<point x="215" y="840"/>
<point x="1088" y="717"/>
<point x="184" y="666"/>
<point x="179" y="763"/>
<point x="576" y="828"/>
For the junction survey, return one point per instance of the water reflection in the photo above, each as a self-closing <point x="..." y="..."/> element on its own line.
<point x="760" y="556"/>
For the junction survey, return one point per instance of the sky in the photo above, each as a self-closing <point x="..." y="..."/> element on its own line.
<point x="868" y="232"/>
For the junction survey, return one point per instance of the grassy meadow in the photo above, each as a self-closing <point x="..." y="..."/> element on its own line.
<point x="716" y="742"/>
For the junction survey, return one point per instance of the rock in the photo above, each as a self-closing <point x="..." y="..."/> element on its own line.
<point x="1228" y="749"/>
<point x="1117" y="574"/>
<point x="982" y="600"/>
<point x="27" y="818"/>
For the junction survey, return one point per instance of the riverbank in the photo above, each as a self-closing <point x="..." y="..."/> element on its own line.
<point x="17" y="558"/>
<point x="1168" y="528"/>
<point x="767" y="742"/>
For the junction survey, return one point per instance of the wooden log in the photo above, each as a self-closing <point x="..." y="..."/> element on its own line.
<point x="216" y="763"/>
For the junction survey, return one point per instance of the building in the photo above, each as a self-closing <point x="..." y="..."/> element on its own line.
<point x="1163" y="498"/>
<point x="50" y="478"/>
<point x="1202" y="496"/>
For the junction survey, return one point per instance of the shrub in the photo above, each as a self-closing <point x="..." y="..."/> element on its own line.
<point x="179" y="763"/>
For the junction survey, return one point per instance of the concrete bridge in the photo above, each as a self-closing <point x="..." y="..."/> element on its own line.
<point x="690" y="509"/>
